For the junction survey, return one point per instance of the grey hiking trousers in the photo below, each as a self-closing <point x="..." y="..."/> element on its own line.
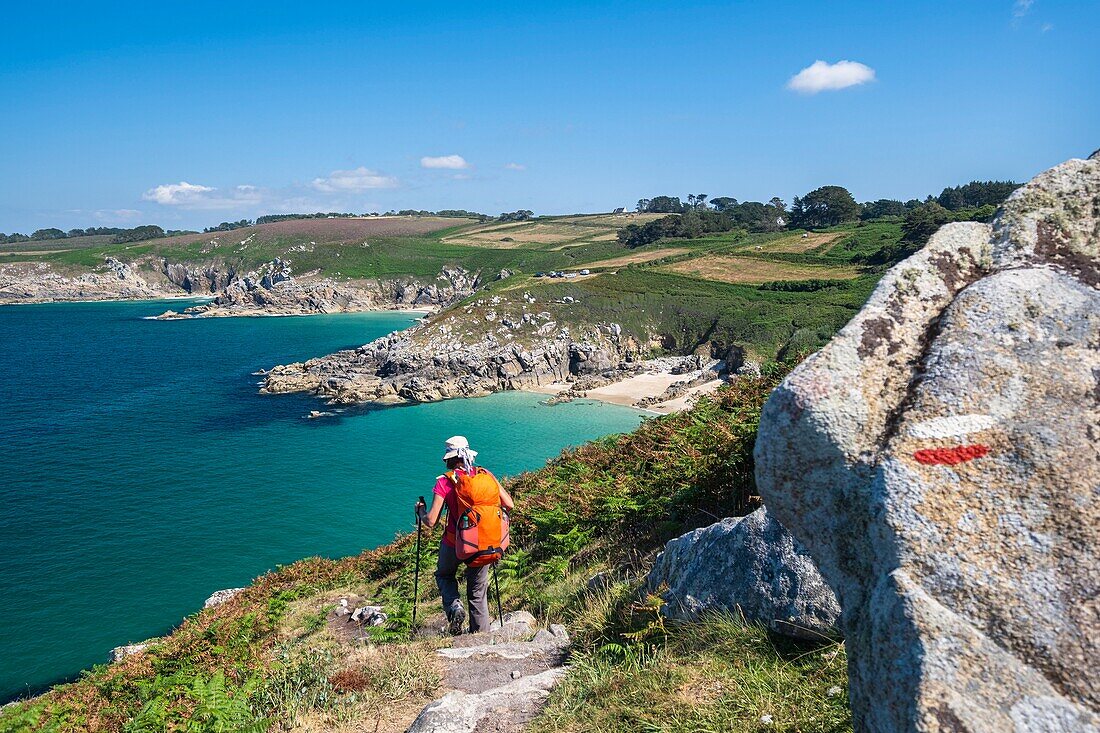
<point x="477" y="588"/>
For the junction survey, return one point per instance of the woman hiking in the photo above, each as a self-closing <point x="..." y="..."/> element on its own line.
<point x="459" y="458"/>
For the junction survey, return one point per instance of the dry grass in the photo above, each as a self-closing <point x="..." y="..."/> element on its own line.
<point x="796" y="243"/>
<point x="754" y="271"/>
<point x="323" y="230"/>
<point x="521" y="234"/>
<point x="616" y="221"/>
<point x="635" y="257"/>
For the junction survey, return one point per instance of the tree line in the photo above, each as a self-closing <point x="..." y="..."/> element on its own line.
<point x="821" y="208"/>
<point x="118" y="234"/>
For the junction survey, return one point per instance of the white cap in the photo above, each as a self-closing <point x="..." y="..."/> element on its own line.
<point x="456" y="446"/>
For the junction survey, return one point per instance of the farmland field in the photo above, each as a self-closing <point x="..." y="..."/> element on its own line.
<point x="801" y="242"/>
<point x="755" y="270"/>
<point x="641" y="256"/>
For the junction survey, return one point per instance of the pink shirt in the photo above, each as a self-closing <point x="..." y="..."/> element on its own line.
<point x="446" y="488"/>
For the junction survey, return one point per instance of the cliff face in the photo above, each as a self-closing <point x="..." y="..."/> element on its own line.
<point x="442" y="359"/>
<point x="274" y="289"/>
<point x="37" y="282"/>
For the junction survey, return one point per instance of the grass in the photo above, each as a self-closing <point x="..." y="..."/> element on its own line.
<point x="755" y="270"/>
<point x="681" y="313"/>
<point x="717" y="674"/>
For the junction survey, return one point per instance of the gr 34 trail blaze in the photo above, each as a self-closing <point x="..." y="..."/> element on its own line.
<point x="481" y="529"/>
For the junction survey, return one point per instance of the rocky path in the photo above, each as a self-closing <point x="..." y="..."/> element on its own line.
<point x="496" y="682"/>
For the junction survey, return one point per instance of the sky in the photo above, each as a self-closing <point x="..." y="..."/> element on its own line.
<point x="189" y="114"/>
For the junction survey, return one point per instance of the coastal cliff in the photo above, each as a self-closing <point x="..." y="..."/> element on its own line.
<point x="271" y="289"/>
<point x="446" y="358"/>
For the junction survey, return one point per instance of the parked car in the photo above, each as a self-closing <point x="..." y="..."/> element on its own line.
<point x="540" y="274"/>
<point x="586" y="272"/>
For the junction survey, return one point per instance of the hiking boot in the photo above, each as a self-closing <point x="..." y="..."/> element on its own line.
<point x="457" y="619"/>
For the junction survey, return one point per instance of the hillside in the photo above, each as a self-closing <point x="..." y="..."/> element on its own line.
<point x="508" y="297"/>
<point x="276" y="656"/>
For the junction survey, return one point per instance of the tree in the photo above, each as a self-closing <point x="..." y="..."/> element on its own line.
<point x="881" y="208"/>
<point x="824" y="207"/>
<point x="700" y="201"/>
<point x="723" y="202"/>
<point x="139" y="234"/>
<point x="50" y="233"/>
<point x="643" y="205"/>
<point x="665" y="205"/>
<point x="923" y="221"/>
<point x="976" y="194"/>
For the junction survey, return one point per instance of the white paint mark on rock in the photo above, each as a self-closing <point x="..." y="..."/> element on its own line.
<point x="952" y="426"/>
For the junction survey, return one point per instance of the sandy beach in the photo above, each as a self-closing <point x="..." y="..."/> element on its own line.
<point x="632" y="390"/>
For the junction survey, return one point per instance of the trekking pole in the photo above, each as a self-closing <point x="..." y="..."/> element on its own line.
<point x="416" y="576"/>
<point x="496" y="582"/>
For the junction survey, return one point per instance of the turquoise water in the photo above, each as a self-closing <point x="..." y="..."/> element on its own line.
<point x="141" y="470"/>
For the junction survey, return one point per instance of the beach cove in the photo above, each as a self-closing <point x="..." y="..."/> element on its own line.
<point x="143" y="471"/>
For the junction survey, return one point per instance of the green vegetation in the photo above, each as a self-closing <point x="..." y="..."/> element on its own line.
<point x="689" y="225"/>
<point x="976" y="194"/>
<point x="824" y="207"/>
<point x="268" y="659"/>
<point x="688" y="312"/>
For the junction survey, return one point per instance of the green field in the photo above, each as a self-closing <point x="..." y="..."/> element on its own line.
<point x="777" y="294"/>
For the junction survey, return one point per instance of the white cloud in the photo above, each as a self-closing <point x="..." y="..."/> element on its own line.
<point x="359" y="179"/>
<point x="1047" y="27"/>
<point x="1021" y="7"/>
<point x="454" y="162"/>
<point x="176" y="194"/>
<point x="821" y="76"/>
<point x="192" y="196"/>
<point x="515" y="167"/>
<point x="116" y="215"/>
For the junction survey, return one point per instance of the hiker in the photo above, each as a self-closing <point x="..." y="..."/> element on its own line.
<point x="459" y="458"/>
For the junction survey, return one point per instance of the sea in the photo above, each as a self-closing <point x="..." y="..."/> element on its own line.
<point x="141" y="470"/>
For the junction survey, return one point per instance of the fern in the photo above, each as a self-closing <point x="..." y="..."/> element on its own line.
<point x="220" y="709"/>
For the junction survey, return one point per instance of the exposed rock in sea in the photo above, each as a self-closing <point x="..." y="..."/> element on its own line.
<point x="749" y="566"/>
<point x="939" y="460"/>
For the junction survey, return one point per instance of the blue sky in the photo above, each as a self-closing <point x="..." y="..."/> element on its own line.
<point x="560" y="107"/>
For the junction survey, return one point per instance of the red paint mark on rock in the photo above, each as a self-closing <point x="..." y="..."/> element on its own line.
<point x="950" y="456"/>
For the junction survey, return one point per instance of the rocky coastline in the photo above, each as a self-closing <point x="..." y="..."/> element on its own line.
<point x="439" y="360"/>
<point x="271" y="289"/>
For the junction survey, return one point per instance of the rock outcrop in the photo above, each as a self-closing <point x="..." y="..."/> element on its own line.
<point x="750" y="566"/>
<point x="443" y="359"/>
<point x="274" y="289"/>
<point x="219" y="597"/>
<point x="463" y="712"/>
<point x="38" y="282"/>
<point x="939" y="460"/>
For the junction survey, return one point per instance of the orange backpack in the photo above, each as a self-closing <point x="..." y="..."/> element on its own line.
<point x="481" y="528"/>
